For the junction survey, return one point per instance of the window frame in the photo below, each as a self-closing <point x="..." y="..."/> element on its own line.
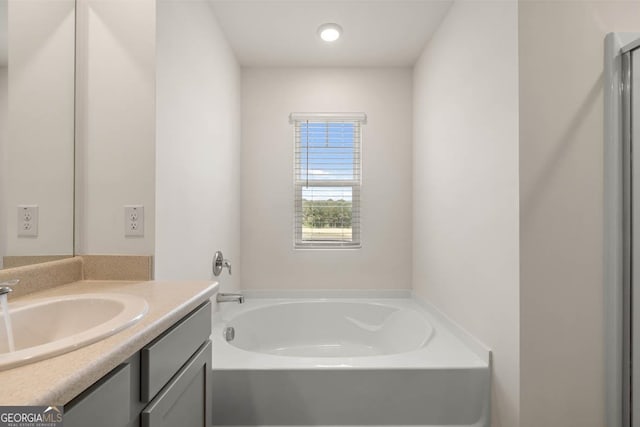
<point x="358" y="120"/>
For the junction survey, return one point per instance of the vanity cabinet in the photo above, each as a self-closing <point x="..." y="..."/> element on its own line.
<point x="167" y="383"/>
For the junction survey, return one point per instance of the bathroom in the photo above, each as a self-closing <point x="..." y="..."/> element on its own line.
<point x="482" y="163"/>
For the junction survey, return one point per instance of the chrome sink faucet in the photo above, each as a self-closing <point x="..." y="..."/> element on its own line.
<point x="5" y="287"/>
<point x="239" y="298"/>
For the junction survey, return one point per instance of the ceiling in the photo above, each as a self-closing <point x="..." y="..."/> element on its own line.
<point x="283" y="33"/>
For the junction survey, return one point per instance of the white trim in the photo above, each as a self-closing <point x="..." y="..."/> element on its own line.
<point x="298" y="120"/>
<point x="337" y="117"/>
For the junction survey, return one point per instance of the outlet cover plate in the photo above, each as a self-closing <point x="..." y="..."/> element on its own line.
<point x="27" y="220"/>
<point x="134" y="221"/>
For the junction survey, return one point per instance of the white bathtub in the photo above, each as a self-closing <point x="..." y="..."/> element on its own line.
<point x="345" y="361"/>
<point x="330" y="329"/>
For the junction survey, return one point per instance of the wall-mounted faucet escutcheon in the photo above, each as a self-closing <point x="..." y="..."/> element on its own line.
<point x="219" y="263"/>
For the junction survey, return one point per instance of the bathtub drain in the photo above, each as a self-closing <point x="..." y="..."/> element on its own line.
<point x="229" y="333"/>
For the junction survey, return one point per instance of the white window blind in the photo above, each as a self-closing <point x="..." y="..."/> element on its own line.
<point x="327" y="178"/>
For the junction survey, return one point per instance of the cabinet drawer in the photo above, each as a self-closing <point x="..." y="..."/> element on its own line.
<point x="161" y="359"/>
<point x="186" y="400"/>
<point x="105" y="404"/>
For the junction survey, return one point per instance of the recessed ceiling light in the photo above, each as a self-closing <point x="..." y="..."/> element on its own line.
<point x="329" y="32"/>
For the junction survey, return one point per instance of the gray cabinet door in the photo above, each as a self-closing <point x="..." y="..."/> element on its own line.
<point x="186" y="400"/>
<point x="161" y="359"/>
<point x="105" y="404"/>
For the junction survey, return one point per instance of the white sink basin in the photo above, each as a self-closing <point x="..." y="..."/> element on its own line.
<point x="48" y="327"/>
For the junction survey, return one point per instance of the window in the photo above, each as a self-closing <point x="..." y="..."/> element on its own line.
<point x="327" y="179"/>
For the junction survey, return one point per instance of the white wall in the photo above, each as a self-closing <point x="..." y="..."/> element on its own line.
<point x="198" y="144"/>
<point x="4" y="33"/>
<point x="561" y="185"/>
<point x="268" y="258"/>
<point x="115" y="146"/>
<point x="465" y="216"/>
<point x="40" y="128"/>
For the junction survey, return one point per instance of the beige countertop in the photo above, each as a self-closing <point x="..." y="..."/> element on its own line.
<point x="57" y="380"/>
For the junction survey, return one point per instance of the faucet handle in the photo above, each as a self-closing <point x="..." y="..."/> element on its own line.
<point x="219" y="263"/>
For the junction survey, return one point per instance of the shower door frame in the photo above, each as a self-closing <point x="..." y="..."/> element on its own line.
<point x="618" y="228"/>
<point x="629" y="334"/>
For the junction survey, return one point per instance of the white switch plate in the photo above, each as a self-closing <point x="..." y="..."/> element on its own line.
<point x="134" y="221"/>
<point x="27" y="220"/>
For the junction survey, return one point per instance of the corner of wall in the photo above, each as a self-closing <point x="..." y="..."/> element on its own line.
<point x="465" y="204"/>
<point x="198" y="144"/>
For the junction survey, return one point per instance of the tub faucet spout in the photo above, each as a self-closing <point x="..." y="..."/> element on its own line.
<point x="221" y="297"/>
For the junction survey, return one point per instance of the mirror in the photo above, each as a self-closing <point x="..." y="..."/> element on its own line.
<point x="37" y="73"/>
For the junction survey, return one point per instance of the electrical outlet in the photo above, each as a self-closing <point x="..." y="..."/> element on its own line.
<point x="27" y="221"/>
<point x="134" y="221"/>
